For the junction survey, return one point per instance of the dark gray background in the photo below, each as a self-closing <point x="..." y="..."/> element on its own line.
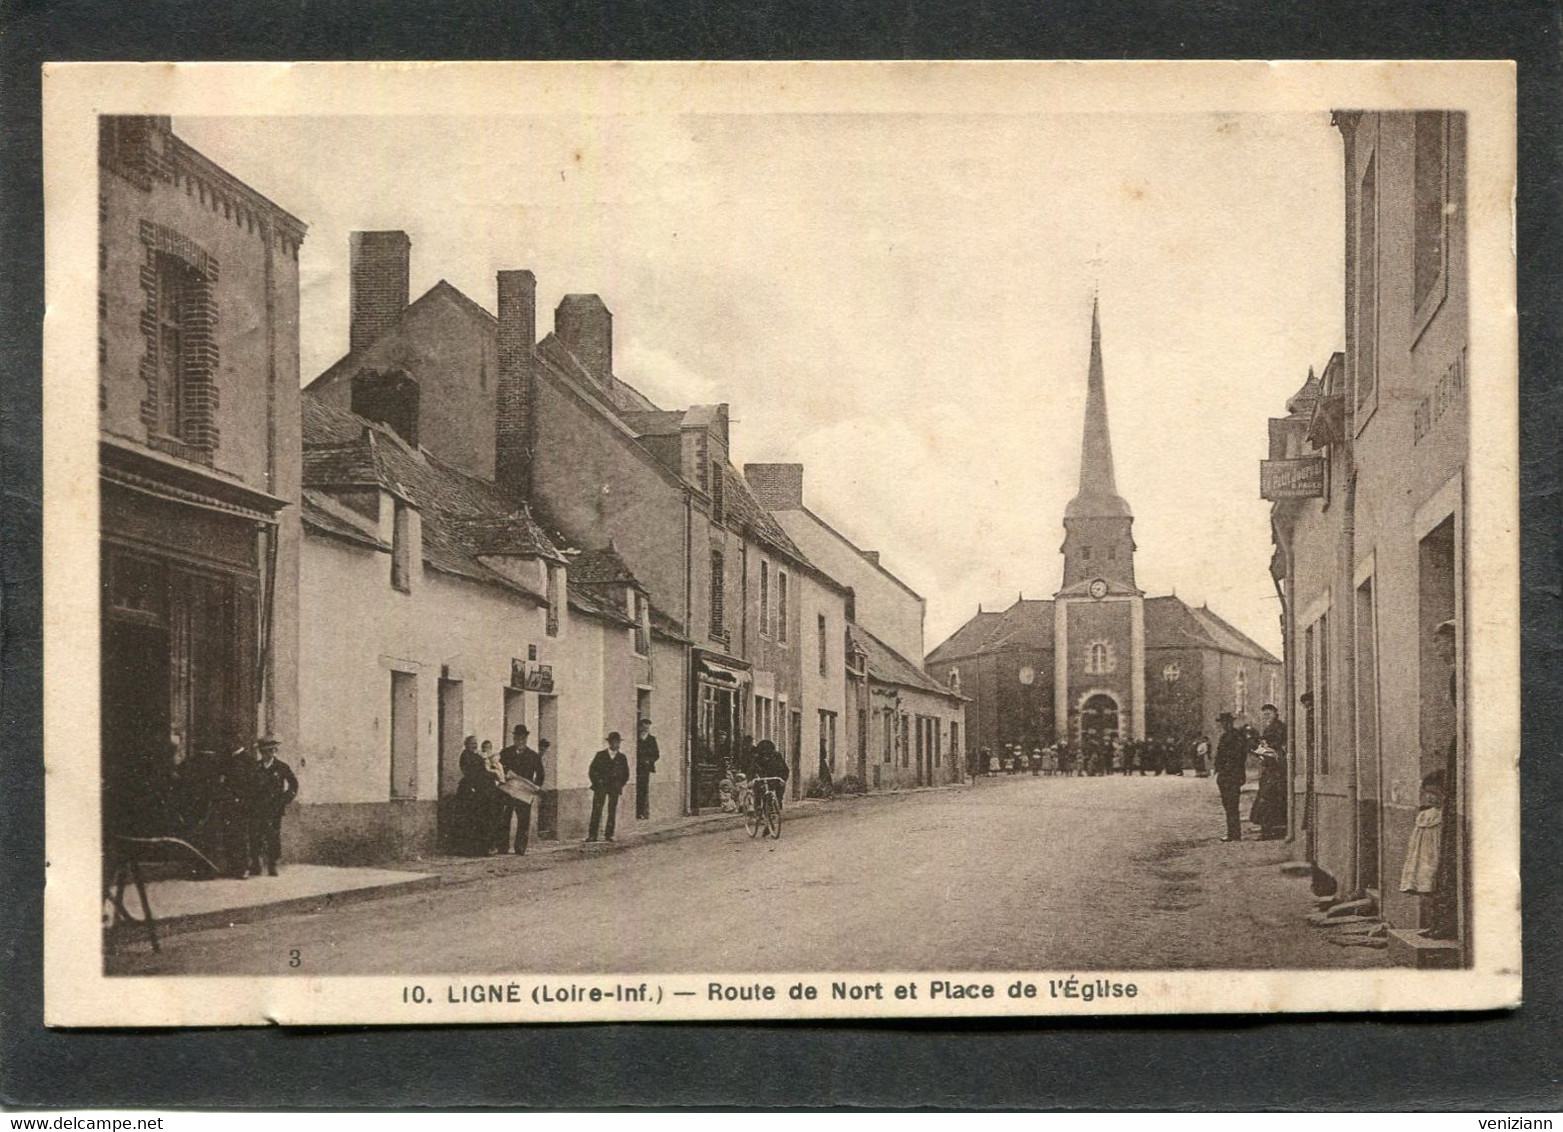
<point x="1401" y="1062"/>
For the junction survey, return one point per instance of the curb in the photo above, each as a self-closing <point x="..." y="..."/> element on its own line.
<point x="254" y="913"/>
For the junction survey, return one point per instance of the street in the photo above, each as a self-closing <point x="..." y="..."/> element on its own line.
<point x="1011" y="873"/>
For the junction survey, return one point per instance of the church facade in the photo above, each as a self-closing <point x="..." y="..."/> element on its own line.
<point x="1101" y="659"/>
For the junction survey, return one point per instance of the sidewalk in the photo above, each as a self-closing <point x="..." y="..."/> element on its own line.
<point x="195" y="905"/>
<point x="190" y="905"/>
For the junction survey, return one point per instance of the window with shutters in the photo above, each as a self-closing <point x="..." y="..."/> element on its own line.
<point x="765" y="598"/>
<point x="718" y="595"/>
<point x="781" y="606"/>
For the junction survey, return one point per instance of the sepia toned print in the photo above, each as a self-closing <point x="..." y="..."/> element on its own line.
<point x="917" y="539"/>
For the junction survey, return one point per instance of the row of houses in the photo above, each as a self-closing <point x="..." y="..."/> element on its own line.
<point x="1368" y="478"/>
<point x="458" y="527"/>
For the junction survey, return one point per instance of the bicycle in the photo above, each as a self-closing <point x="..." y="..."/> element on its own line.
<point x="764" y="808"/>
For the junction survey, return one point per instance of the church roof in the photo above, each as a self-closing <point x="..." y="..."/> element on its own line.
<point x="1098" y="495"/>
<point x="1170" y="622"/>
<point x="968" y="639"/>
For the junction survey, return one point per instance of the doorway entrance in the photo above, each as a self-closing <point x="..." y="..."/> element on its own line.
<point x="1099" y="725"/>
<point x="135" y="725"/>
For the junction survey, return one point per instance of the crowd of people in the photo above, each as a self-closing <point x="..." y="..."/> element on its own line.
<point x="1228" y="758"/>
<point x="1096" y="756"/>
<point x="497" y="789"/>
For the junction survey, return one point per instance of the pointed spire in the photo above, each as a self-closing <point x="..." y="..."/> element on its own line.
<point x="1098" y="494"/>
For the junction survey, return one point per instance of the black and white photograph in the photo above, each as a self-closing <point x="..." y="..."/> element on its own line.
<point x="584" y="542"/>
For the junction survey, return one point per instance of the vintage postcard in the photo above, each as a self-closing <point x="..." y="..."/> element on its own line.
<point x="583" y="542"/>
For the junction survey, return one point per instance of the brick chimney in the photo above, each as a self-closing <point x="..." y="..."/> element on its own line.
<point x="389" y="397"/>
<point x="585" y="326"/>
<point x="378" y="285"/>
<point x="513" y="425"/>
<point x="778" y="487"/>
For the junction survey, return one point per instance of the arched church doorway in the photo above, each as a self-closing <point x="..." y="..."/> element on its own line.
<point x="1098" y="721"/>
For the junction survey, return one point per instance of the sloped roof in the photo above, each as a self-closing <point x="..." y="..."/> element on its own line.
<point x="325" y="516"/>
<point x="968" y="639"/>
<point x="463" y="517"/>
<point x="603" y="568"/>
<point x="745" y="508"/>
<point x="890" y="667"/>
<point x="482" y="323"/>
<point x="1170" y="622"/>
<point x="1024" y="625"/>
<point x="1229" y="638"/>
<point x="658" y="422"/>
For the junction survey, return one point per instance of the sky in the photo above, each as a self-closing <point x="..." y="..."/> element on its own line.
<point x="901" y="302"/>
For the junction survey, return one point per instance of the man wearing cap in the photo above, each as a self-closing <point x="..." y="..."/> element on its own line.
<point x="609" y="772"/>
<point x="523" y="762"/>
<point x="1231" y="772"/>
<point x="646" y="756"/>
<point x="272" y="786"/>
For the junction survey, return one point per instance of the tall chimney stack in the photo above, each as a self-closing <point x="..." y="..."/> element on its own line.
<point x="585" y="326"/>
<point x="777" y="487"/>
<point x="378" y="285"/>
<point x="513" y="428"/>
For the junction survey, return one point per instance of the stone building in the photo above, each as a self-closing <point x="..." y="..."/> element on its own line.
<point x="198" y="405"/>
<point x="1101" y="660"/>
<point x="902" y="727"/>
<point x="438" y="609"/>
<point x="553" y="428"/>
<point x="1368" y="479"/>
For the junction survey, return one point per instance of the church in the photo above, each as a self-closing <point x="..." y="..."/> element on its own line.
<point x="1101" y="659"/>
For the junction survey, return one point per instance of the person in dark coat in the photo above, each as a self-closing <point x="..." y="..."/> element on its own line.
<point x="609" y="772"/>
<point x="770" y="763"/>
<point x="272" y="786"/>
<point x="233" y="789"/>
<point x="1269" y="809"/>
<point x="476" y="802"/>
<point x="523" y="762"/>
<point x="646" y="756"/>
<point x="1231" y="772"/>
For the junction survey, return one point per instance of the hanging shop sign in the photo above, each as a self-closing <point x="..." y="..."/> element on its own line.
<point x="1302" y="478"/>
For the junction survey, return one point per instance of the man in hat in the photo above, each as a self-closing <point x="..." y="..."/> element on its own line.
<point x="523" y="762"/>
<point x="1231" y="772"/>
<point x="646" y="756"/>
<point x="272" y="786"/>
<point x="609" y="772"/>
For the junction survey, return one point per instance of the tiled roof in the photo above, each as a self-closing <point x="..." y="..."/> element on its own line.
<point x="660" y="422"/>
<point x="890" y="667"/>
<point x="463" y="516"/>
<point x="1024" y="625"/>
<point x="968" y="639"/>
<point x="743" y="507"/>
<point x="1230" y="639"/>
<point x="329" y="518"/>
<point x="591" y="600"/>
<point x="602" y="568"/>
<point x="1169" y="623"/>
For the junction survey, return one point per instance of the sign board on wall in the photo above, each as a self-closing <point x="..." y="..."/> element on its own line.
<point x="1301" y="478"/>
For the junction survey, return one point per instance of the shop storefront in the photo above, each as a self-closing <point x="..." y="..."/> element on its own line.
<point x="186" y="567"/>
<point x="719" y="691"/>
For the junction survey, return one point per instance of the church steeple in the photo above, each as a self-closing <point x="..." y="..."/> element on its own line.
<point x="1098" y="542"/>
<point x="1098" y="495"/>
